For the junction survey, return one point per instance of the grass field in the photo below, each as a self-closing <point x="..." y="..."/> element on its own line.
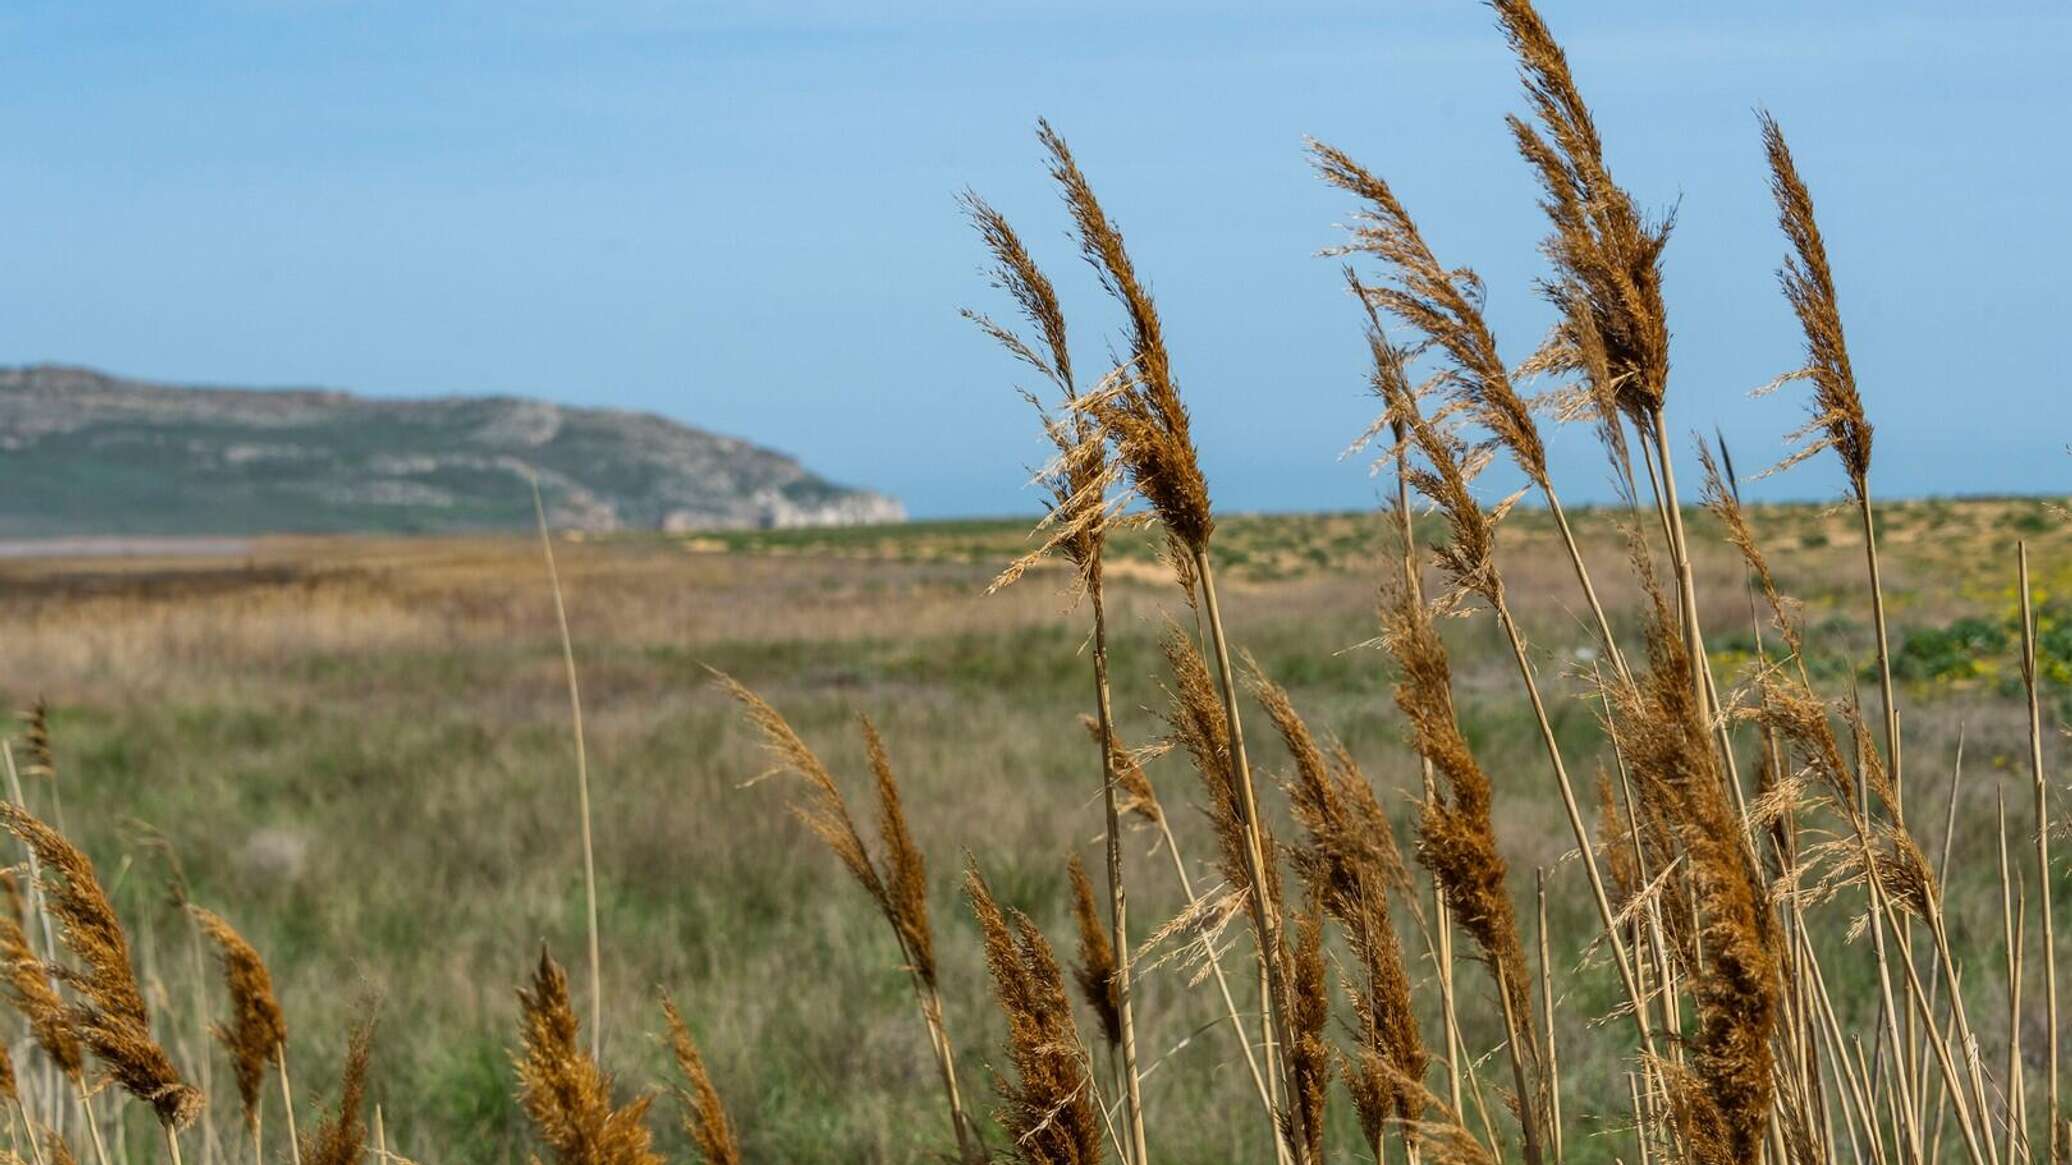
<point x="358" y="750"/>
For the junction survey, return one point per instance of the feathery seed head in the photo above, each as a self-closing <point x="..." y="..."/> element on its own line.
<point x="567" y="1094"/>
<point x="1048" y="1110"/>
<point x="704" y="1117"/>
<point x="1442" y="305"/>
<point x="257" y="1032"/>
<point x="1141" y="411"/>
<point x="341" y="1138"/>
<point x="905" y="871"/>
<point x="110" y="1017"/>
<point x="1607" y="255"/>
<point x="1809" y="285"/>
<point x="1095" y="971"/>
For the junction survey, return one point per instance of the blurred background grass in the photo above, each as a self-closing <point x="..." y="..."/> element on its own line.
<point x="358" y="751"/>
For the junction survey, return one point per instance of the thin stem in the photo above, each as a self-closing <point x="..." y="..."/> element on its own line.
<point x="1547" y="1004"/>
<point x="86" y="1117"/>
<point x="280" y="1061"/>
<point x="2050" y="942"/>
<point x="1582" y="833"/>
<point x="1892" y="741"/>
<point x="946" y="1064"/>
<point x="28" y="1129"/>
<point x="1267" y="926"/>
<point x="1117" y="901"/>
<point x="1575" y="557"/>
<point x="1237" y="1023"/>
<point x="575" y="712"/>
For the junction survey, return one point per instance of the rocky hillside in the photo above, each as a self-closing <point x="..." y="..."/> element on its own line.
<point x="82" y="452"/>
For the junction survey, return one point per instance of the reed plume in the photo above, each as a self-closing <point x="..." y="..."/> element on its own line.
<point x="1838" y="415"/>
<point x="1309" y="1057"/>
<point x="1350" y="866"/>
<point x="897" y="883"/>
<point x="1441" y="304"/>
<point x="1095" y="970"/>
<point x="110" y="1018"/>
<point x="1143" y="414"/>
<point x="1146" y="421"/>
<point x="1456" y="835"/>
<point x="30" y="990"/>
<point x="341" y="1138"/>
<point x="1195" y="719"/>
<point x="36" y="741"/>
<point x="1607" y="255"/>
<point x="257" y="1033"/>
<point x="1723" y="1108"/>
<point x="565" y="1092"/>
<point x="1838" y="421"/>
<point x="704" y="1117"/>
<point x="904" y="870"/>
<point x="1049" y="1109"/>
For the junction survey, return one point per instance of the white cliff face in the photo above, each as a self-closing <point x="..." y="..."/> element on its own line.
<point x="83" y="452"/>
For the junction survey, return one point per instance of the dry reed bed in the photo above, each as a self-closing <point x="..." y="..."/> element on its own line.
<point x="1772" y="966"/>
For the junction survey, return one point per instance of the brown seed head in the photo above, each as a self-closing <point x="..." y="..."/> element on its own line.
<point x="1442" y="305"/>
<point x="258" y="1032"/>
<point x="1048" y="1110"/>
<point x="1669" y="753"/>
<point x="1348" y="867"/>
<point x="905" y="874"/>
<point x="1607" y="255"/>
<point x="1142" y="414"/>
<point x="42" y="761"/>
<point x="1456" y="834"/>
<point x="704" y="1117"/>
<point x="341" y="1138"/>
<point x="30" y="990"/>
<point x="1809" y="285"/>
<point x="823" y="810"/>
<point x="110" y="1016"/>
<point x="1310" y="1013"/>
<point x="566" y="1093"/>
<point x="1079" y="480"/>
<point x="1095" y="971"/>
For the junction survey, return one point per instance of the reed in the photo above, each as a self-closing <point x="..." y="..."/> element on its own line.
<point x="575" y="716"/>
<point x="108" y="1016"/>
<point x="341" y="1137"/>
<point x="1350" y="868"/>
<point x="1078" y="516"/>
<point x="1048" y="1111"/>
<point x="896" y="882"/>
<point x="1145" y="421"/>
<point x="257" y="1035"/>
<point x="704" y="1117"/>
<point x="567" y="1094"/>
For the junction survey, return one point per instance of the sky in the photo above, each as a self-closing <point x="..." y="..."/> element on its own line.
<point x="742" y="215"/>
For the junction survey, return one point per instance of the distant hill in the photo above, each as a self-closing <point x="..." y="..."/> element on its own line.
<point x="83" y="452"/>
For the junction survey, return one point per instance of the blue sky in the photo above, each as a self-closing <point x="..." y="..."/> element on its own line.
<point x="741" y="214"/>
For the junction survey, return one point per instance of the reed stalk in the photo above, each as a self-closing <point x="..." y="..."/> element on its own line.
<point x="1078" y="483"/>
<point x="2043" y="828"/>
<point x="280" y="1061"/>
<point x="575" y="714"/>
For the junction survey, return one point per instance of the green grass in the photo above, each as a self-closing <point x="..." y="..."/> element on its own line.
<point x="368" y="771"/>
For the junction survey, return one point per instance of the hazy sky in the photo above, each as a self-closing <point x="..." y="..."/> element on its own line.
<point x="741" y="214"/>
